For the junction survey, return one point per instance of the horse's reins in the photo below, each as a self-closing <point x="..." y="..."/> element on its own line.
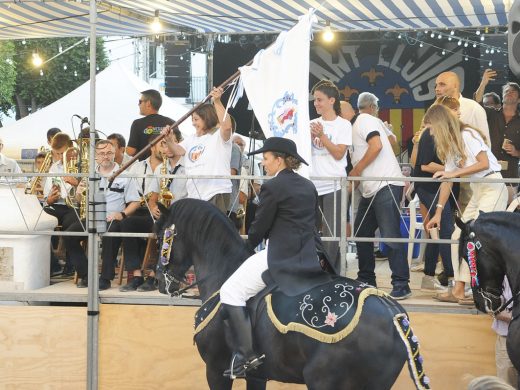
<point x="473" y="247"/>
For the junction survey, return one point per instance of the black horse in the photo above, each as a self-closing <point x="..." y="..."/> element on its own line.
<point x="490" y="245"/>
<point x="371" y="357"/>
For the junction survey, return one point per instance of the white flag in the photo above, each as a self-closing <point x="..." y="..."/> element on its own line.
<point x="277" y="85"/>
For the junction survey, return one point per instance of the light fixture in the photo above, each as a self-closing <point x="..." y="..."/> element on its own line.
<point x="439" y="36"/>
<point x="76" y="73"/>
<point x="41" y="72"/>
<point x="465" y="58"/>
<point x="474" y="44"/>
<point x="490" y="63"/>
<point x="487" y="51"/>
<point x="23" y="41"/>
<point x="460" y="43"/>
<point x="444" y="52"/>
<point x="328" y="35"/>
<point x="482" y="38"/>
<point x="432" y="35"/>
<point x="37" y="60"/>
<point x="421" y="44"/>
<point x="156" y="26"/>
<point x="449" y="38"/>
<point x="64" y="67"/>
<point x="492" y="51"/>
<point x="399" y="36"/>
<point x="466" y="44"/>
<point x="478" y="32"/>
<point x="452" y="32"/>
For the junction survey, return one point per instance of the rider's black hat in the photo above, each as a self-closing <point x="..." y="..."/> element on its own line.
<point x="280" y="145"/>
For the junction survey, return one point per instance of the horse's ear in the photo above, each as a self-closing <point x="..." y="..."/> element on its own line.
<point x="460" y="224"/>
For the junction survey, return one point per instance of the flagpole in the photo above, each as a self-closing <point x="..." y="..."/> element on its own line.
<point x="176" y="124"/>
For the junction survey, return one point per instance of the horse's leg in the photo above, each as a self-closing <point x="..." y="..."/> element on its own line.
<point x="255" y="383"/>
<point x="217" y="381"/>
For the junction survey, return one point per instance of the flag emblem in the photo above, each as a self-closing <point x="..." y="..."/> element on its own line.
<point x="284" y="115"/>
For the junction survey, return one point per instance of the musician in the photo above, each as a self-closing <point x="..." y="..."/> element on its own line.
<point x="8" y="165"/>
<point x="119" y="143"/>
<point x="149" y="104"/>
<point x="122" y="200"/>
<point x="141" y="221"/>
<point x="176" y="186"/>
<point x="50" y="135"/>
<point x="38" y="164"/>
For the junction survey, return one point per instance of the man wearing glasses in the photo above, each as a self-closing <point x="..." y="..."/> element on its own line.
<point x="122" y="200"/>
<point x="373" y="156"/>
<point x="149" y="104"/>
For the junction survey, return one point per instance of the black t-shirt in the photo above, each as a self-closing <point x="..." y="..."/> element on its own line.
<point x="426" y="153"/>
<point x="143" y="128"/>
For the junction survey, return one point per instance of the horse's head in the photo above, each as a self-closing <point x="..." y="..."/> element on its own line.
<point x="486" y="272"/>
<point x="173" y="260"/>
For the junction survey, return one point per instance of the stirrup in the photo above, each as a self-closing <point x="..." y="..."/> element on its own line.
<point x="241" y="370"/>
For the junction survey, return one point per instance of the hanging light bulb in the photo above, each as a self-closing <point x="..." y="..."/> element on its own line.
<point x="474" y="44"/>
<point x="75" y="73"/>
<point x="156" y="26"/>
<point x="23" y="41"/>
<point x="460" y="43"/>
<point x="482" y="38"/>
<point x="97" y="67"/>
<point x="432" y="35"/>
<point x="452" y="32"/>
<point x="399" y="36"/>
<point x="64" y="67"/>
<point x="421" y="44"/>
<point x="182" y="58"/>
<point x="478" y="32"/>
<point x="443" y="52"/>
<point x="492" y="51"/>
<point x="439" y="36"/>
<point x="490" y="63"/>
<point x="88" y="60"/>
<point x="465" y="58"/>
<point x="37" y="60"/>
<point x="328" y="35"/>
<point x="449" y="38"/>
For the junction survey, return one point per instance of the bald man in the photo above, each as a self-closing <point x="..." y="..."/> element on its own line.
<point x="8" y="165"/>
<point x="471" y="113"/>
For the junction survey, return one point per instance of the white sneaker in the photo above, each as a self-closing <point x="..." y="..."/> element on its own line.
<point x="431" y="284"/>
<point x="417" y="267"/>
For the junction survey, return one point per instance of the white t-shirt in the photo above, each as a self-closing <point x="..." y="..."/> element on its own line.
<point x="57" y="167"/>
<point x="473" y="114"/>
<point x="177" y="185"/>
<point x="208" y="154"/>
<point x="339" y="132"/>
<point x="473" y="145"/>
<point x="384" y="165"/>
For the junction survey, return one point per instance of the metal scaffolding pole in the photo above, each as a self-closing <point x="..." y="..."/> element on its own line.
<point x="92" y="255"/>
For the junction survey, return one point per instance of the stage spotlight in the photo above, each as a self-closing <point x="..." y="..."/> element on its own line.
<point x="156" y="26"/>
<point x="328" y="34"/>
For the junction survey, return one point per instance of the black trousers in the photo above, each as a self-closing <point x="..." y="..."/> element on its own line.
<point x="139" y="222"/>
<point x="110" y="248"/>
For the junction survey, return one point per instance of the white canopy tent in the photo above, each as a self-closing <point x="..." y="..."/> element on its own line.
<point x="116" y="108"/>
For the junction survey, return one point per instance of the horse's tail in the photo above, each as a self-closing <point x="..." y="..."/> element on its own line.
<point x="415" y="360"/>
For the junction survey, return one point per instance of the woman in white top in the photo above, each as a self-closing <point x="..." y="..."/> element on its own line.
<point x="465" y="153"/>
<point x="330" y="137"/>
<point x="207" y="152"/>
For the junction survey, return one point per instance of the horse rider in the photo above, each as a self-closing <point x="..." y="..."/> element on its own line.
<point x="286" y="218"/>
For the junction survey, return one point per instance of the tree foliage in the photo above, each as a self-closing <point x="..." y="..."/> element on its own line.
<point x="38" y="87"/>
<point x="7" y="75"/>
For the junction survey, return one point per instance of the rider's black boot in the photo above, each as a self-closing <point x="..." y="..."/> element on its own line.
<point x="238" y="327"/>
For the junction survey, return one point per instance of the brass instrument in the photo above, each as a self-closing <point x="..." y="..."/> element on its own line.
<point x="76" y="160"/>
<point x="35" y="182"/>
<point x="165" y="196"/>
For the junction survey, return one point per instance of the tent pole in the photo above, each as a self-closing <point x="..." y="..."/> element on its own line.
<point x="92" y="254"/>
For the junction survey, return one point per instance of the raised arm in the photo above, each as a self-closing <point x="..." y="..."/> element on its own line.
<point x="225" y="125"/>
<point x="489" y="75"/>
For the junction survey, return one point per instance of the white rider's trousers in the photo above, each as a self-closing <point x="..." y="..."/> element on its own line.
<point x="246" y="281"/>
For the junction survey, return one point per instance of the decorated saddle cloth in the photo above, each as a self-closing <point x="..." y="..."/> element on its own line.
<point x="327" y="313"/>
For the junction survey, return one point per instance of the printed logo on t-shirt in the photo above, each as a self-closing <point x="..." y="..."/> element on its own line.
<point x="317" y="144"/>
<point x="195" y="152"/>
<point x="152" y="130"/>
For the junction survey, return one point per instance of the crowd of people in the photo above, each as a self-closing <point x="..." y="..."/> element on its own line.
<point x="459" y="137"/>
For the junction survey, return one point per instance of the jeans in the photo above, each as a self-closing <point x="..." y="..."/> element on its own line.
<point x="446" y="229"/>
<point x="384" y="214"/>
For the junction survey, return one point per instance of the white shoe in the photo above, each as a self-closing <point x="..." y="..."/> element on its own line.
<point x="418" y="267"/>
<point x="431" y="284"/>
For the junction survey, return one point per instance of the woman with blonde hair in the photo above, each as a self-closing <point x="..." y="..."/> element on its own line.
<point x="465" y="153"/>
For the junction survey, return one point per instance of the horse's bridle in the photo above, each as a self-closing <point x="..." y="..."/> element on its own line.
<point x="166" y="249"/>
<point x="472" y="247"/>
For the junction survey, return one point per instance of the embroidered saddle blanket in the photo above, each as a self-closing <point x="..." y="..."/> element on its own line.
<point x="327" y="313"/>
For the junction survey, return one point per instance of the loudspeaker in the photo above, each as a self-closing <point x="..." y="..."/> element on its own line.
<point x="177" y="60"/>
<point x="513" y="38"/>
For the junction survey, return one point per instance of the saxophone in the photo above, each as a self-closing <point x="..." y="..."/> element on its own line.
<point x="35" y="182"/>
<point x="165" y="196"/>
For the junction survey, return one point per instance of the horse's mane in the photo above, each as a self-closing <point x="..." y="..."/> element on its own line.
<point x="206" y="229"/>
